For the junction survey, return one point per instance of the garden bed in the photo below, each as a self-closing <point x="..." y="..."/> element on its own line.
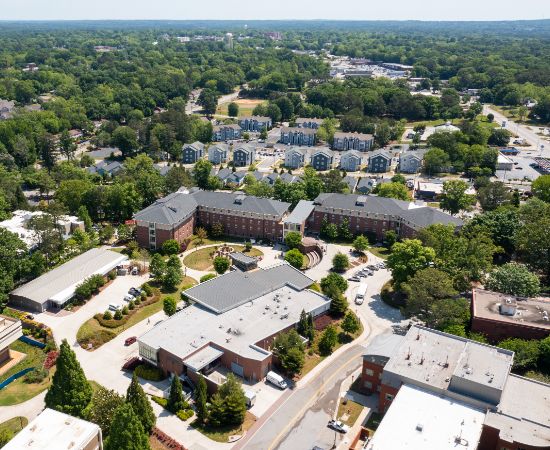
<point x="221" y="434"/>
<point x="201" y="259"/>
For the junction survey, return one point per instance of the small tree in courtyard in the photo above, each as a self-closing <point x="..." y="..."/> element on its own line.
<point x="361" y="244"/>
<point x="340" y="262"/>
<point x="176" y="401"/>
<point x="170" y="247"/>
<point x="351" y="323"/>
<point x="221" y="264"/>
<point x="201" y="399"/>
<point x="295" y="258"/>
<point x="169" y="305"/>
<point x="328" y="340"/>
<point x="293" y="239"/>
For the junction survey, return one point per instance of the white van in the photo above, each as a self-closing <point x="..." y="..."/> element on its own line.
<point x="361" y="292"/>
<point x="276" y="379"/>
<point x="250" y="398"/>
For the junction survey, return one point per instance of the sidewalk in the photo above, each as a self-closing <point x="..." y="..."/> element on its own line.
<point x="29" y="409"/>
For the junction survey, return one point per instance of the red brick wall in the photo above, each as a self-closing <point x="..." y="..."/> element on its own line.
<point x="357" y="224"/>
<point x="374" y="379"/>
<point x="383" y="403"/>
<point x="167" y="362"/>
<point x="240" y="226"/>
<point x="497" y="330"/>
<point x="180" y="233"/>
<point x="490" y="440"/>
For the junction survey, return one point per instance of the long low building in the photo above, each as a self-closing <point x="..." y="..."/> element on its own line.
<point x="56" y="287"/>
<point x="232" y="322"/>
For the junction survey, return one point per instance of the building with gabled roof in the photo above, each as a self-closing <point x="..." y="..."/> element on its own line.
<point x="298" y="136"/>
<point x="244" y="155"/>
<point x="224" y="133"/>
<point x="352" y="141"/>
<point x="217" y="153"/>
<point x="351" y="161"/>
<point x="305" y="122"/>
<point x="176" y="215"/>
<point x="191" y="153"/>
<point x="255" y="123"/>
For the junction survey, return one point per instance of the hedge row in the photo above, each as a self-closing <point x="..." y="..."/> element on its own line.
<point x="89" y="287"/>
<point x="113" y="323"/>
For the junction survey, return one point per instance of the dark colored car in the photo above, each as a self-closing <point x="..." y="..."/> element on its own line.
<point x="130" y="341"/>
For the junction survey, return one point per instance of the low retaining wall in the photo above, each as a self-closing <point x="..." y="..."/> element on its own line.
<point x="15" y="377"/>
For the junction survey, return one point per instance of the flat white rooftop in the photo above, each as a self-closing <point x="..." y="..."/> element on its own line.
<point x="238" y="329"/>
<point x="53" y="430"/>
<point x="420" y="420"/>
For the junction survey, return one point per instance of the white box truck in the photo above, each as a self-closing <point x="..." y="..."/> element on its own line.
<point x="250" y="398"/>
<point x="276" y="379"/>
<point x="361" y="292"/>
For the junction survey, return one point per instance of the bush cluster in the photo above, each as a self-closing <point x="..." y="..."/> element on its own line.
<point x="89" y="287"/>
<point x="149" y="373"/>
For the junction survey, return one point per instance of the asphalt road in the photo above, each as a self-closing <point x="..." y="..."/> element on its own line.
<point x="301" y="421"/>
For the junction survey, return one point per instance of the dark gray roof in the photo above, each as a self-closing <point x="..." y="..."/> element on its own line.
<point x="289" y="178"/>
<point x="233" y="289"/>
<point x="226" y="200"/>
<point x="245" y="148"/>
<point x="230" y="125"/>
<point x="420" y="216"/>
<point x="323" y="151"/>
<point x="426" y="216"/>
<point x="197" y="146"/>
<point x="382" y="153"/>
<point x="350" y="154"/>
<point x="342" y="135"/>
<point x="306" y="120"/>
<point x="241" y="257"/>
<point x="257" y="174"/>
<point x="350" y="181"/>
<point x="298" y="130"/>
<point x="301" y="212"/>
<point x="219" y="148"/>
<point x="163" y="170"/>
<point x="224" y="173"/>
<point x="169" y="210"/>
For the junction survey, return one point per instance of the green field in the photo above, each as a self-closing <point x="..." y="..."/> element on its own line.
<point x="246" y="106"/>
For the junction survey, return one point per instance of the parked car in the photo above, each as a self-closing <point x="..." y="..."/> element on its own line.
<point x="114" y="306"/>
<point x="339" y="426"/>
<point x="130" y="341"/>
<point x="129" y="298"/>
<point x="135" y="291"/>
<point x="276" y="379"/>
<point x="354" y="278"/>
<point x="29" y="316"/>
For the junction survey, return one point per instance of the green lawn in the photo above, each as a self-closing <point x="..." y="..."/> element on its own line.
<point x="351" y="408"/>
<point x="19" y="391"/>
<point x="221" y="434"/>
<point x="92" y="331"/>
<point x="201" y="260"/>
<point x="246" y="106"/>
<point x="13" y="426"/>
<point x="381" y="252"/>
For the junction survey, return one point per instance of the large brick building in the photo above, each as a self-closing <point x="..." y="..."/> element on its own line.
<point x="231" y="324"/>
<point x="432" y="367"/>
<point x="176" y="215"/>
<point x="375" y="215"/>
<point x="500" y="316"/>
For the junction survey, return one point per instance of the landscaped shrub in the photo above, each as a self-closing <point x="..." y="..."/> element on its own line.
<point x="112" y="274"/>
<point x="160" y="400"/>
<point x="118" y="315"/>
<point x="147" y="289"/>
<point x="89" y="287"/>
<point x="125" y="311"/>
<point x="207" y="277"/>
<point x="137" y="301"/>
<point x="149" y="373"/>
<point x="185" y="414"/>
<point x="36" y="376"/>
<point x="131" y="305"/>
<point x="51" y="359"/>
<point x="107" y="315"/>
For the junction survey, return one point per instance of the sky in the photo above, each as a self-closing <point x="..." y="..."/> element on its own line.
<point x="274" y="10"/>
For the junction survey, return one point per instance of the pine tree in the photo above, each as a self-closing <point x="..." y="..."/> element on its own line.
<point x="216" y="417"/>
<point x="200" y="400"/>
<point x="70" y="391"/>
<point x="302" y="327"/>
<point x="310" y="328"/>
<point x="135" y="396"/>
<point x="176" y="402"/>
<point x="127" y="432"/>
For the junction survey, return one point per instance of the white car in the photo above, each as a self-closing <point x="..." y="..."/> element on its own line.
<point x="114" y="306"/>
<point x="359" y="300"/>
<point x="338" y="426"/>
<point x="129" y="298"/>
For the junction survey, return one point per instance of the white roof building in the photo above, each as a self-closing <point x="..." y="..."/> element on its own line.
<point x="421" y="420"/>
<point x="53" y="430"/>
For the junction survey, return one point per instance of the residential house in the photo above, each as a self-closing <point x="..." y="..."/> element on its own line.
<point x="255" y="123"/>
<point x="352" y="141"/>
<point x="298" y="136"/>
<point x="302" y="122"/>
<point x="411" y="161"/>
<point x="289" y="178"/>
<point x="223" y="133"/>
<point x="379" y="162"/>
<point x="244" y="155"/>
<point x="217" y="153"/>
<point x="258" y="176"/>
<point x="351" y="161"/>
<point x="163" y="170"/>
<point x="366" y="185"/>
<point x="236" y="178"/>
<point x="106" y="168"/>
<point x="322" y="159"/>
<point x="222" y="174"/>
<point x="191" y="153"/>
<point x="295" y="157"/>
<point x="351" y="182"/>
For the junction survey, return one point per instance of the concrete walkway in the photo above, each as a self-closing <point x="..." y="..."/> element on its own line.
<point x="29" y="409"/>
